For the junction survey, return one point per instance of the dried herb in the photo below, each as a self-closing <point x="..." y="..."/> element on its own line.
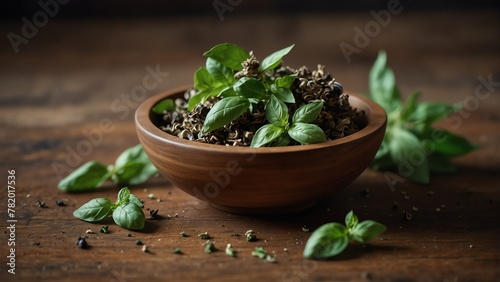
<point x="331" y="239"/>
<point x="82" y="243"/>
<point x="230" y="251"/>
<point x="250" y="236"/>
<point x="411" y="144"/>
<point x="125" y="212"/>
<point x="132" y="167"/>
<point x="183" y="234"/>
<point x="209" y="247"/>
<point x="261" y="253"/>
<point x="40" y="204"/>
<point x="104" y="229"/>
<point x="204" y="235"/>
<point x="177" y="250"/>
<point x="138" y="242"/>
<point x="240" y="101"/>
<point x="153" y="213"/>
<point x="60" y="203"/>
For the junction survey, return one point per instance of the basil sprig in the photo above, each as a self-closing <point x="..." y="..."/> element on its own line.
<point x="411" y="144"/>
<point x="126" y="211"/>
<point x="331" y="239"/>
<point x="132" y="167"/>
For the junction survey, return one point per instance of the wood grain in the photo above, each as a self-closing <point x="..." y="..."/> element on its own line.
<point x="64" y="82"/>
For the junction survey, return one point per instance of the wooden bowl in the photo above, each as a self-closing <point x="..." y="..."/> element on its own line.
<point x="269" y="180"/>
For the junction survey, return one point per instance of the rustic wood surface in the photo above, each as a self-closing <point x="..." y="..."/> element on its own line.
<point x="75" y="74"/>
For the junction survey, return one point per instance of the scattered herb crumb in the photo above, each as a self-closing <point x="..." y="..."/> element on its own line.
<point x="129" y="235"/>
<point x="40" y="204"/>
<point x="104" y="229"/>
<point x="144" y="248"/>
<point x="154" y="213"/>
<point x="183" y="234"/>
<point x="230" y="251"/>
<point x="209" y="247"/>
<point x="177" y="250"/>
<point x="138" y="242"/>
<point x="60" y="203"/>
<point x="82" y="243"/>
<point x="438" y="209"/>
<point x="204" y="235"/>
<point x="408" y="216"/>
<point x="89" y="231"/>
<point x="158" y="200"/>
<point x="261" y="253"/>
<point x="305" y="228"/>
<point x="151" y="196"/>
<point x="251" y="236"/>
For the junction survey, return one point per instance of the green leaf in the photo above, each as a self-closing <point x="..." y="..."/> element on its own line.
<point x="410" y="105"/>
<point x="383" y="159"/>
<point x="134" y="173"/>
<point x="225" y="111"/>
<point x="429" y="112"/>
<point x="229" y="55"/>
<point x="282" y="140"/>
<point x="351" y="220"/>
<point x="266" y="134"/>
<point x="123" y="196"/>
<point x="405" y="150"/>
<point x="283" y="94"/>
<point x="198" y="98"/>
<point x="446" y="143"/>
<point x="285" y="81"/>
<point x="366" y="231"/>
<point x="273" y="60"/>
<point x="130" y="216"/>
<point x="219" y="72"/>
<point x="306" y="133"/>
<point x="276" y="112"/>
<point x="165" y="105"/>
<point x="327" y="241"/>
<point x="94" y="210"/>
<point x="250" y="88"/>
<point x="203" y="80"/>
<point x="308" y="113"/>
<point x="87" y="177"/>
<point x="135" y="200"/>
<point x="440" y="163"/>
<point x="133" y="167"/>
<point x="382" y="83"/>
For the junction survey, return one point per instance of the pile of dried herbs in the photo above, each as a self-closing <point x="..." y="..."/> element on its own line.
<point x="248" y="89"/>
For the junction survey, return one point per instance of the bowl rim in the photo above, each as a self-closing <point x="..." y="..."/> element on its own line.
<point x="378" y="119"/>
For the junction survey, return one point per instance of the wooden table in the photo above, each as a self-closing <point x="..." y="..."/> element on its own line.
<point x="76" y="73"/>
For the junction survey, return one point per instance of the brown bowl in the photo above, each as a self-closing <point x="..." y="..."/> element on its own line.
<point x="269" y="180"/>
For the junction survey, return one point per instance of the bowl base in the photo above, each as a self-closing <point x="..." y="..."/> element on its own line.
<point x="263" y="210"/>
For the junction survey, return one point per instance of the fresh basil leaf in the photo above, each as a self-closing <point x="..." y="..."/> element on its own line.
<point x="229" y="55"/>
<point x="382" y="84"/>
<point x="383" y="159"/>
<point x="227" y="92"/>
<point x="283" y="94"/>
<point x="440" y="163"/>
<point x="281" y="141"/>
<point x="203" y="80"/>
<point x="123" y="196"/>
<point x="198" y="98"/>
<point x="366" y="231"/>
<point x="285" y="81"/>
<point x="327" y="241"/>
<point x="132" y="154"/>
<point x="165" y="105"/>
<point x="135" y="200"/>
<point x="308" y="113"/>
<point x="410" y="105"/>
<point x="225" y="111"/>
<point x="276" y="112"/>
<point x="405" y="147"/>
<point x="450" y="144"/>
<point x="134" y="173"/>
<point x="250" y="88"/>
<point x="273" y="60"/>
<point x="351" y="220"/>
<point x="89" y="176"/>
<point x="94" y="210"/>
<point x="429" y="112"/>
<point x="306" y="133"/>
<point x="266" y="134"/>
<point x="130" y="216"/>
<point x="220" y="72"/>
